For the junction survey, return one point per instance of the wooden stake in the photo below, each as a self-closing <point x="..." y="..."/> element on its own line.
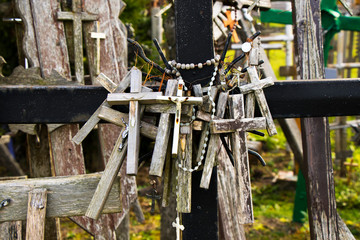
<point x="35" y="225"/>
<point x="134" y="126"/>
<point x="241" y="162"/>
<point x="214" y="144"/>
<point x="107" y="179"/>
<point x="162" y="137"/>
<point x="184" y="177"/>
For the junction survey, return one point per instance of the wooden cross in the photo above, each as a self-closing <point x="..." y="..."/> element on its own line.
<point x="98" y="36"/>
<point x="178" y="227"/>
<point x="255" y="87"/>
<point x="239" y="148"/>
<point x="231" y="23"/>
<point x="77" y="16"/>
<point x="156" y="97"/>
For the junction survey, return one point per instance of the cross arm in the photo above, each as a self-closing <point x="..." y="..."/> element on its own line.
<point x="256" y="86"/>
<point x="232" y="125"/>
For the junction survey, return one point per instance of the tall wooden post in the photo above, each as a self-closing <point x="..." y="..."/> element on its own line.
<point x="194" y="44"/>
<point x="317" y="165"/>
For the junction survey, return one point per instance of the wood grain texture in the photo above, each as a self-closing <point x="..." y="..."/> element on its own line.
<point x="228" y="203"/>
<point x="113" y="49"/>
<point x="115" y="117"/>
<point x="184" y="177"/>
<point x="77" y="16"/>
<point x="239" y="148"/>
<point x="11" y="230"/>
<point x="113" y="63"/>
<point x="94" y="119"/>
<point x="256" y="85"/>
<point x="125" y="98"/>
<point x="163" y="136"/>
<point x="67" y="196"/>
<point x="35" y="221"/>
<point x="317" y="169"/>
<point x="107" y="179"/>
<point x="134" y="125"/>
<point x="40" y="165"/>
<point x="214" y="144"/>
<point x="233" y="125"/>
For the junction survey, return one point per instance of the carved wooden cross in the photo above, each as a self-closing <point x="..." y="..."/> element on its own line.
<point x="98" y="36"/>
<point x="255" y="87"/>
<point x="77" y="16"/>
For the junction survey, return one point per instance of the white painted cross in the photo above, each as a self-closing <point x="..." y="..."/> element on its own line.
<point x="98" y="36"/>
<point x="255" y="88"/>
<point x="178" y="227"/>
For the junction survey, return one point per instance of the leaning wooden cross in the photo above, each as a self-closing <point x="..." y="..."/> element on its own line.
<point x="255" y="90"/>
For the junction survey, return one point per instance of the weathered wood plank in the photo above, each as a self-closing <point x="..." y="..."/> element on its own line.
<point x="134" y="125"/>
<point x="163" y="135"/>
<point x="11" y="230"/>
<point x="107" y="179"/>
<point x="241" y="163"/>
<point x="228" y="204"/>
<point x="67" y="196"/>
<point x="232" y="125"/>
<point x="184" y="177"/>
<point x="40" y="165"/>
<point x="213" y="146"/>
<point x="317" y="169"/>
<point x="35" y="222"/>
<point x="94" y="119"/>
<point x="115" y="117"/>
<point x="125" y="98"/>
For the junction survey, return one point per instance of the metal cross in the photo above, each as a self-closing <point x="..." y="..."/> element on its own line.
<point x="98" y="36"/>
<point x="124" y="134"/>
<point x="178" y="227"/>
<point x="178" y="100"/>
<point x="77" y="15"/>
<point x="153" y="196"/>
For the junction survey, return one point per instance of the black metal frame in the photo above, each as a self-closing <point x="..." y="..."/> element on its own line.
<point x="75" y="104"/>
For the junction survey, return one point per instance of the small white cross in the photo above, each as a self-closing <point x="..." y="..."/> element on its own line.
<point x="178" y="227"/>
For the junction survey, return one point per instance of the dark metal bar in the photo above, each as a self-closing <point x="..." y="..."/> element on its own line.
<point x="75" y="104"/>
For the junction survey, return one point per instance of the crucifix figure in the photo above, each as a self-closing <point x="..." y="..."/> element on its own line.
<point x="98" y="36"/>
<point x="77" y="15"/>
<point x="255" y="87"/>
<point x="178" y="227"/>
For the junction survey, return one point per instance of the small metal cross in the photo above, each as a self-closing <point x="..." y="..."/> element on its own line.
<point x="153" y="196"/>
<point x="178" y="227"/>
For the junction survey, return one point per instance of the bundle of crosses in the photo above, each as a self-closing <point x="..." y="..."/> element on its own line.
<point x="216" y="112"/>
